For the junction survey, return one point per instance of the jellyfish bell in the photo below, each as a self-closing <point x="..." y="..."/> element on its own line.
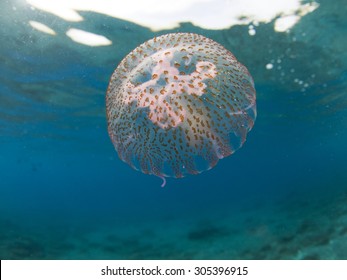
<point x="177" y="104"/>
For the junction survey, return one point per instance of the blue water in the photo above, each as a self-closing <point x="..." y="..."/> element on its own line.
<point x="65" y="194"/>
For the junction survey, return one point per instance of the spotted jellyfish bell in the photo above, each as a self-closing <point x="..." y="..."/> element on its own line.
<point x="177" y="104"/>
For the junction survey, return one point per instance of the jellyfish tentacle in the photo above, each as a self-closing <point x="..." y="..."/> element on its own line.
<point x="164" y="181"/>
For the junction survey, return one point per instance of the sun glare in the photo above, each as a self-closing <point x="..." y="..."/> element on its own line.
<point x="158" y="15"/>
<point x="42" y="27"/>
<point x="87" y="38"/>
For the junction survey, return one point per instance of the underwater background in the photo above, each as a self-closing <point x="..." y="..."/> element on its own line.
<point x="65" y="194"/>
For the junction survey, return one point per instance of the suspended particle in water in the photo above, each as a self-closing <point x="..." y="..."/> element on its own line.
<point x="269" y="66"/>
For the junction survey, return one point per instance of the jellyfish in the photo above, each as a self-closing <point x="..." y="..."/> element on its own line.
<point x="179" y="103"/>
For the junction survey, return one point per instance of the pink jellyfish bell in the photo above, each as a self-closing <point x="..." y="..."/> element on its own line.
<point x="177" y="104"/>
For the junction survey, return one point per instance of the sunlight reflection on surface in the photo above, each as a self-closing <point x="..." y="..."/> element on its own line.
<point x="42" y="27"/>
<point x="87" y="38"/>
<point x="158" y="14"/>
